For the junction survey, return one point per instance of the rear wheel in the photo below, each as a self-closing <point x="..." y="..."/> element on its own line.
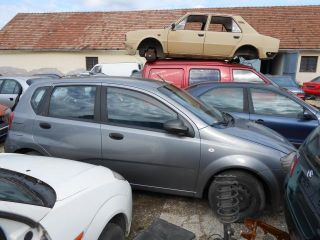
<point x="251" y="194"/>
<point x="112" y="232"/>
<point x="248" y="53"/>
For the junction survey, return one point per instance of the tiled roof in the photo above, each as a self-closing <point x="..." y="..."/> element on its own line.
<point x="298" y="27"/>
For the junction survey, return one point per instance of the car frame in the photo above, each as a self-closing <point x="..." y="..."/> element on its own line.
<point x="237" y="40"/>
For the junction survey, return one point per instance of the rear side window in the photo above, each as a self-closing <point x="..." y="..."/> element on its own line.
<point x="76" y="102"/>
<point x="203" y="75"/>
<point x="37" y="98"/>
<point x="132" y="108"/>
<point x="10" y="87"/>
<point x="240" y="75"/>
<point x="220" y="98"/>
<point x="171" y="75"/>
<point x="312" y="148"/>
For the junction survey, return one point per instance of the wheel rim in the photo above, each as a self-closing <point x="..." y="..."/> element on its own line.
<point x="245" y="197"/>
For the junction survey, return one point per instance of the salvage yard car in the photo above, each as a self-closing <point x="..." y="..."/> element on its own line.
<point x="302" y="195"/>
<point x="265" y="104"/>
<point x="58" y="199"/>
<point x="156" y="135"/>
<point x="200" y="35"/>
<point x="312" y="88"/>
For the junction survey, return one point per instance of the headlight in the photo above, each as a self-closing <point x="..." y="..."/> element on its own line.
<point x="287" y="160"/>
<point x="118" y="176"/>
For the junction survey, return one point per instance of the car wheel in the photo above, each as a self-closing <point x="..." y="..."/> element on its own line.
<point x="112" y="232"/>
<point x="251" y="194"/>
<point x="34" y="153"/>
<point x="151" y="54"/>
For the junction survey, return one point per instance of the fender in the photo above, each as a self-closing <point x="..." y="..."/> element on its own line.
<point x="115" y="205"/>
<point x="163" y="41"/>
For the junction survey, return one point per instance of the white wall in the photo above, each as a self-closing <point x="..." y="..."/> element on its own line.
<point x="307" y="76"/>
<point x="65" y="62"/>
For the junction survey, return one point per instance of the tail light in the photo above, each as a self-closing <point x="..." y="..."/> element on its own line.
<point x="293" y="166"/>
<point x="10" y="120"/>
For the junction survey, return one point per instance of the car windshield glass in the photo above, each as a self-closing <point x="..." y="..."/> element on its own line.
<point x="209" y="115"/>
<point x="285" y="82"/>
<point x="312" y="148"/>
<point x="317" y="79"/>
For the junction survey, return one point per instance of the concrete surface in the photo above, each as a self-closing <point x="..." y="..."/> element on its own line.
<point x="189" y="213"/>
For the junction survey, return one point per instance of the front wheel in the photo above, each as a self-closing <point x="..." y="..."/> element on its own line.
<point x="112" y="232"/>
<point x="251" y="194"/>
<point x="151" y="54"/>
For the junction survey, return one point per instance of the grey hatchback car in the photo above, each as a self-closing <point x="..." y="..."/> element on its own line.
<point x="157" y="136"/>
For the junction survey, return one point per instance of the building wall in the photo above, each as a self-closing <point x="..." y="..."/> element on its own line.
<point x="65" y="62"/>
<point x="307" y="76"/>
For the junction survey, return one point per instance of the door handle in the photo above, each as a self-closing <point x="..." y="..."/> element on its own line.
<point x="11" y="99"/>
<point x="200" y="34"/>
<point x="236" y="37"/>
<point x="116" y="136"/>
<point x="259" y="121"/>
<point x="45" y="125"/>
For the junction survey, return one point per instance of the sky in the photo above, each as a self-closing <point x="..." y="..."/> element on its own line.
<point x="9" y="8"/>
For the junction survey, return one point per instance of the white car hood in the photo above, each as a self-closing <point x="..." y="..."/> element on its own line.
<point x="64" y="176"/>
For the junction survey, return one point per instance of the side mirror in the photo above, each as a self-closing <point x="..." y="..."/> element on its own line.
<point x="176" y="127"/>
<point x="173" y="25"/>
<point x="307" y="115"/>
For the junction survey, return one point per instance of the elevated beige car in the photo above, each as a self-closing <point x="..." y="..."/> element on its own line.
<point x="199" y="35"/>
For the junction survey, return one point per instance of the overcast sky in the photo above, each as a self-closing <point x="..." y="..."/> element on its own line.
<point x="9" y="8"/>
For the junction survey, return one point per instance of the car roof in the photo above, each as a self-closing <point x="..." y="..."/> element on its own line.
<point x="214" y="14"/>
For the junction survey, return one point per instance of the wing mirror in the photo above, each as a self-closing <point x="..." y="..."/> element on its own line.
<point x="173" y="25"/>
<point x="176" y="127"/>
<point x="307" y="115"/>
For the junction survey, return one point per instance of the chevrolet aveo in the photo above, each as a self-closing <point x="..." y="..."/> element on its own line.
<point x="154" y="134"/>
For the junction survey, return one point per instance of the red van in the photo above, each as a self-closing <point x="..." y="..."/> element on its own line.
<point x="184" y="73"/>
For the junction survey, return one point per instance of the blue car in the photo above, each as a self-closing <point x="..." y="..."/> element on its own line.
<point x="269" y="105"/>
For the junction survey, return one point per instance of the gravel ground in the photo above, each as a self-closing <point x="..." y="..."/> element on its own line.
<point x="189" y="213"/>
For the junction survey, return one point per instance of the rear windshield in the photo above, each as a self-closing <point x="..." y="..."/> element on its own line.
<point x="312" y="148"/>
<point x="20" y="188"/>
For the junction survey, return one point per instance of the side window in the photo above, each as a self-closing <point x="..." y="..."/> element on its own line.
<point x="240" y="75"/>
<point x="223" y="24"/>
<point x="220" y="98"/>
<point x="135" y="109"/>
<point x="203" y="75"/>
<point x="266" y="102"/>
<point x="37" y="98"/>
<point x="73" y="102"/>
<point x="193" y="22"/>
<point x="10" y="87"/>
<point x="96" y="69"/>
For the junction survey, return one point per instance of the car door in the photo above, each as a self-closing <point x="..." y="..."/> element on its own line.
<point x="135" y="144"/>
<point x="223" y="35"/>
<point x="187" y="37"/>
<point x="281" y="113"/>
<point x="227" y="99"/>
<point x="9" y="91"/>
<point x="68" y="126"/>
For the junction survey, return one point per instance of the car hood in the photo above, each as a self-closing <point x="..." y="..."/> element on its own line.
<point x="259" y="134"/>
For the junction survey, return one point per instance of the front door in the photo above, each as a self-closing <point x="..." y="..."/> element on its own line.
<point x="135" y="144"/>
<point x="222" y="36"/>
<point x="188" y="36"/>
<point x="280" y="113"/>
<point x="69" y="127"/>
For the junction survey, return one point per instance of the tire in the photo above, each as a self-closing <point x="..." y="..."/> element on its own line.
<point x="251" y="194"/>
<point x="247" y="54"/>
<point x="34" y="153"/>
<point x="112" y="232"/>
<point x="151" y="54"/>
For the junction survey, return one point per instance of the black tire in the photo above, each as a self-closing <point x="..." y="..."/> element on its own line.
<point x="251" y="194"/>
<point x="151" y="54"/>
<point x="247" y="53"/>
<point x="112" y="232"/>
<point x="34" y="153"/>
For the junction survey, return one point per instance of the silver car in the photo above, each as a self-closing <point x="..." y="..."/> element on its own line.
<point x="157" y="136"/>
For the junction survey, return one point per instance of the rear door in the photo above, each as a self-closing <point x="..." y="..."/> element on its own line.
<point x="69" y="125"/>
<point x="280" y="113"/>
<point x="9" y="91"/>
<point x="135" y="144"/>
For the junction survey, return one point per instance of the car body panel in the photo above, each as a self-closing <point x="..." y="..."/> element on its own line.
<point x="188" y="42"/>
<point x="311" y="88"/>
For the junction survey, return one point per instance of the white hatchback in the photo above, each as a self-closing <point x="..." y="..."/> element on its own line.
<point x="56" y="199"/>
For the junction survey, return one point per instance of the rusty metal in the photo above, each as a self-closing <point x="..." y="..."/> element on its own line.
<point x="252" y="226"/>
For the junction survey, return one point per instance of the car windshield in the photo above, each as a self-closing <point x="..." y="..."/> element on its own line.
<point x="285" y="82"/>
<point x="209" y="115"/>
<point x="317" y="79"/>
<point x="312" y="148"/>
